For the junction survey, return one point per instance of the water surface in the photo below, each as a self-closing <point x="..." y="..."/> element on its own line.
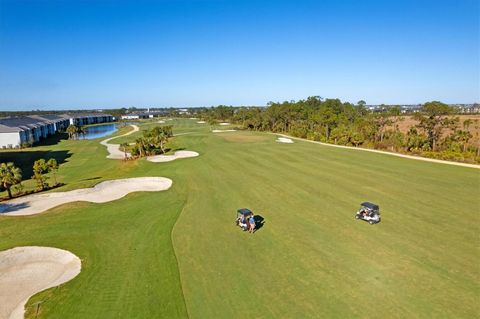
<point x="97" y="131"/>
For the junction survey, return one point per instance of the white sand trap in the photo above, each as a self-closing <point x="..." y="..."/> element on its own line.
<point x="201" y="122"/>
<point x="169" y="158"/>
<point x="161" y="121"/>
<point x="284" y="140"/>
<point x="25" y="271"/>
<point x="224" y="124"/>
<point x="193" y="118"/>
<point x="221" y="131"/>
<point x="114" y="149"/>
<point x="100" y="193"/>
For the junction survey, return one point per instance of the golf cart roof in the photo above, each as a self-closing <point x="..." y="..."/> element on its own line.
<point x="244" y="211"/>
<point x="370" y="205"/>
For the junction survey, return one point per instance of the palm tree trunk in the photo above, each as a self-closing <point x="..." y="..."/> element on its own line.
<point x="9" y="191"/>
<point x="161" y="147"/>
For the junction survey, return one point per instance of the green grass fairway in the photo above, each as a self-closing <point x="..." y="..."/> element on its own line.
<point x="177" y="253"/>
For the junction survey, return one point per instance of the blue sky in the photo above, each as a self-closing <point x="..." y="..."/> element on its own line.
<point x="95" y="54"/>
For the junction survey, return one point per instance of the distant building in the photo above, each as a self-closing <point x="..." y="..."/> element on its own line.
<point x="89" y="118"/>
<point x="136" y="116"/>
<point x="467" y="108"/>
<point x="16" y="131"/>
<point x="142" y="115"/>
<point x="183" y="111"/>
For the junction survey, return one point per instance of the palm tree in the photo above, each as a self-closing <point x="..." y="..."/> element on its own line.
<point x="81" y="131"/>
<point x="467" y="123"/>
<point x="141" y="145"/>
<point x="39" y="169"/>
<point x="163" y="139"/>
<point x="52" y="167"/>
<point x="124" y="146"/>
<point x="72" y="131"/>
<point x="463" y="137"/>
<point x="9" y="175"/>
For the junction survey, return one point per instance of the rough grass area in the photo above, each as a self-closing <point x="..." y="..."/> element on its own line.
<point x="311" y="259"/>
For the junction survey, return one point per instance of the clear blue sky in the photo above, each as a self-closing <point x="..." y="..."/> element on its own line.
<point x="92" y="54"/>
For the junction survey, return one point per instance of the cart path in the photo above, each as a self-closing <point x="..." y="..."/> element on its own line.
<point x="114" y="149"/>
<point x="25" y="271"/>
<point x="418" y="158"/>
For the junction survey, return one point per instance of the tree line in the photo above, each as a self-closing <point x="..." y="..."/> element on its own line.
<point x="11" y="176"/>
<point x="438" y="133"/>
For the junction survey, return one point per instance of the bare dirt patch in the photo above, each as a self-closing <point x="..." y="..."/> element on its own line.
<point x="408" y="122"/>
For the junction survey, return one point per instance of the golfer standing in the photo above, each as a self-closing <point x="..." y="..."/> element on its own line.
<point x="252" y="223"/>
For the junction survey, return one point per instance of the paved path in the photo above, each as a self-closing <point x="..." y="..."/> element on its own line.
<point x="418" y="158"/>
<point x="114" y="149"/>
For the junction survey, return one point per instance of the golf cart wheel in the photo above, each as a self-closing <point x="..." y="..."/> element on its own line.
<point x="356" y="217"/>
<point x="371" y="222"/>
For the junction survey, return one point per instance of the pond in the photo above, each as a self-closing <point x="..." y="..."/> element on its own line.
<point x="97" y="131"/>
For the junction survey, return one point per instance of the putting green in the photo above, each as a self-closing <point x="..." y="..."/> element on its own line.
<point x="178" y="253"/>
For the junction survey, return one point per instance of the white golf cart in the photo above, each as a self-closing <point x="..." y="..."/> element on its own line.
<point x="369" y="212"/>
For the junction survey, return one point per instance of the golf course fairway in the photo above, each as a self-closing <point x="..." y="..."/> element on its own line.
<point x="178" y="254"/>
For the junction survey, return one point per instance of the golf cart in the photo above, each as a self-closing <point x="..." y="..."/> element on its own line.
<point x="369" y="212"/>
<point x="243" y="214"/>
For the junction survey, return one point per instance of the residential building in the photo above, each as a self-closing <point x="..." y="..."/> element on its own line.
<point x="21" y="130"/>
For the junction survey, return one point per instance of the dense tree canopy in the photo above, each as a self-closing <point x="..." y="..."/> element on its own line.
<point x="153" y="141"/>
<point x="10" y="175"/>
<point x="332" y="121"/>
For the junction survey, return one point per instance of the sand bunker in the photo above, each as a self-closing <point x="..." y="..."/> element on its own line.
<point x="161" y="121"/>
<point x="169" y="158"/>
<point x="201" y="122"/>
<point x="100" y="193"/>
<point x="224" y="123"/>
<point x="220" y="131"/>
<point x="114" y="149"/>
<point x="25" y="271"/>
<point x="284" y="140"/>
